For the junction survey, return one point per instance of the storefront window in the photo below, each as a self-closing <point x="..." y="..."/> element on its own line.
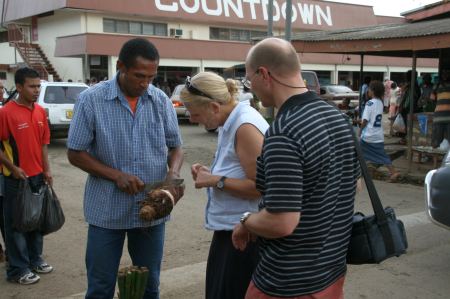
<point x="233" y="34"/>
<point x="148" y="29"/>
<point x="109" y="25"/>
<point x="122" y="27"/>
<point x="132" y="27"/>
<point x="135" y="28"/>
<point x="161" y="29"/>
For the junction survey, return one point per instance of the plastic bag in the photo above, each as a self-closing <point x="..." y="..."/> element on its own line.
<point x="27" y="207"/>
<point x="399" y="124"/>
<point x="52" y="218"/>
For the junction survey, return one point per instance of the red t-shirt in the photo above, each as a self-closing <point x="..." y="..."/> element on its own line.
<point x="23" y="132"/>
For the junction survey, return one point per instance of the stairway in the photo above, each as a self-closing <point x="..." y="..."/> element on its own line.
<point x="32" y="54"/>
<point x="35" y="58"/>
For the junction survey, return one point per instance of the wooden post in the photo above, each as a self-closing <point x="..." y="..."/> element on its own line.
<point x="411" y="109"/>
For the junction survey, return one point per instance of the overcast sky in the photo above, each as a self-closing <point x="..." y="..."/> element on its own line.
<point x="390" y="7"/>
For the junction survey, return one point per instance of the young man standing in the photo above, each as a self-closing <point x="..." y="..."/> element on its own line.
<point x="307" y="173"/>
<point x="25" y="135"/>
<point x="124" y="133"/>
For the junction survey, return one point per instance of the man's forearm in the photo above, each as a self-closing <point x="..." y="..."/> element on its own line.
<point x="88" y="163"/>
<point x="45" y="163"/>
<point x="272" y="225"/>
<point x="175" y="161"/>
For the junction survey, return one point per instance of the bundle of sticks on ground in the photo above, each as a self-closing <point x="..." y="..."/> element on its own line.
<point x="132" y="282"/>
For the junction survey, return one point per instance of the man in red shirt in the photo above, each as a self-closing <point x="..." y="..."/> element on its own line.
<point x="25" y="134"/>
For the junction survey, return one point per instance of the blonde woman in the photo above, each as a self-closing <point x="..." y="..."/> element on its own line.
<point x="230" y="182"/>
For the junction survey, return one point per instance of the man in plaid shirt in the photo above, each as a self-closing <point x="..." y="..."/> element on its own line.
<point x="124" y="134"/>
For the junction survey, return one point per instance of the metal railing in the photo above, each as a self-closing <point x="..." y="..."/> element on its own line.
<point x="21" y="42"/>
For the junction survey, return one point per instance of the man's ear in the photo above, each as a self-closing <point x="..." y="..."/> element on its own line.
<point x="121" y="66"/>
<point x="19" y="87"/>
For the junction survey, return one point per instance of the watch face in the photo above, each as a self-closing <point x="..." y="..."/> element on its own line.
<point x="220" y="184"/>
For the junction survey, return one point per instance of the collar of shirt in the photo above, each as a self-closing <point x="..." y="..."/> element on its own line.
<point x="231" y="118"/>
<point x="114" y="91"/>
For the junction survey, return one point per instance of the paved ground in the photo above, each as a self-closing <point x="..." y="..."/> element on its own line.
<point x="422" y="273"/>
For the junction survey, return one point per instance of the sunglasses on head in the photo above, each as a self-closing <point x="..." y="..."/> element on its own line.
<point x="192" y="89"/>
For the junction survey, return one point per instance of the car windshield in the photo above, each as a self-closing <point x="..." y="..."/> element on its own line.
<point x="339" y="89"/>
<point x="62" y="94"/>
<point x="177" y="90"/>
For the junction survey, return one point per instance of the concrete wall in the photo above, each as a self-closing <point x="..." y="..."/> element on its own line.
<point x="60" y="24"/>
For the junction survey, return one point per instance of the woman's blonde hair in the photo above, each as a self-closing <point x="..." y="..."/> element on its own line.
<point x="211" y="87"/>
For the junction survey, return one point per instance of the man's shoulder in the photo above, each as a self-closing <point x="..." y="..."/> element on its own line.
<point x="157" y="94"/>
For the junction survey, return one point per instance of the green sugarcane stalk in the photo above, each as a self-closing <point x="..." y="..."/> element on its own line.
<point x="135" y="283"/>
<point x="128" y="284"/>
<point x="144" y="279"/>
<point x="138" y="284"/>
<point x="121" y="282"/>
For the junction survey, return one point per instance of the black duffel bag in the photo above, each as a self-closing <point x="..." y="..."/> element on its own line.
<point x="373" y="242"/>
<point x="375" y="237"/>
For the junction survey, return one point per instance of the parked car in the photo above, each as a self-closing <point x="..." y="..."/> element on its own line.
<point x="336" y="94"/>
<point x="58" y="100"/>
<point x="182" y="112"/>
<point x="437" y="193"/>
<point x="311" y="80"/>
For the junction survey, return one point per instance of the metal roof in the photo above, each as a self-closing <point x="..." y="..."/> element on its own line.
<point x="424" y="38"/>
<point x="387" y="31"/>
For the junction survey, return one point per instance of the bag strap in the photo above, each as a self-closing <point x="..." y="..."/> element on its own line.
<point x="377" y="206"/>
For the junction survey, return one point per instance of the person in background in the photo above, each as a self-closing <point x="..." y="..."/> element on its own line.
<point x="371" y="131"/>
<point x="230" y="182"/>
<point x="364" y="93"/>
<point x="441" y="117"/>
<point x="394" y="101"/>
<point x="25" y="134"/>
<point x="409" y="99"/>
<point x="93" y="81"/>
<point x="246" y="96"/>
<point x="426" y="90"/>
<point x="307" y="173"/>
<point x="387" y="94"/>
<point x="124" y="134"/>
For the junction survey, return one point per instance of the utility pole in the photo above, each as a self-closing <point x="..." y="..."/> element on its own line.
<point x="270" y="21"/>
<point x="288" y="24"/>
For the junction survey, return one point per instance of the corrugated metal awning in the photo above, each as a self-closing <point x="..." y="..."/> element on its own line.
<point x="426" y="38"/>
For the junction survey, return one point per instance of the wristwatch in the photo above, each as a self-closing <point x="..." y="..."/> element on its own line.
<point x="244" y="217"/>
<point x="221" y="183"/>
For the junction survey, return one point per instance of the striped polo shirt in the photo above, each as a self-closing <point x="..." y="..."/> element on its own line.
<point x="308" y="165"/>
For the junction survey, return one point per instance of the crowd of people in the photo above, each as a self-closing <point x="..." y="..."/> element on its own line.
<point x="280" y="195"/>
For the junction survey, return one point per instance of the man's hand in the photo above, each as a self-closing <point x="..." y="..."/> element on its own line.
<point x="176" y="191"/>
<point x="241" y="236"/>
<point x="129" y="183"/>
<point x="18" y="173"/>
<point x="48" y="177"/>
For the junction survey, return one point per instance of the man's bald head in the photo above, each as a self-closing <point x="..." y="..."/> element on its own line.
<point x="278" y="55"/>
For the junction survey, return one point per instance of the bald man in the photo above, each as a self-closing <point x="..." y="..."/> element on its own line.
<point x="307" y="173"/>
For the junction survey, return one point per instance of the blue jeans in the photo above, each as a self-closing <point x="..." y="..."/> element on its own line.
<point x="104" y="250"/>
<point x="24" y="249"/>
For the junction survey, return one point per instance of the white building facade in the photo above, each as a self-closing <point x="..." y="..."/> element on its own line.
<point x="82" y="38"/>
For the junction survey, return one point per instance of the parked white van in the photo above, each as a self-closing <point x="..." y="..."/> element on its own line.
<point x="58" y="100"/>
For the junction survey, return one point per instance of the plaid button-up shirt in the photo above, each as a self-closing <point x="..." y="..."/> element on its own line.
<point x="104" y="125"/>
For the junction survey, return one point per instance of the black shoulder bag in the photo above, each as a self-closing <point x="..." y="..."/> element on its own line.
<point x="375" y="237"/>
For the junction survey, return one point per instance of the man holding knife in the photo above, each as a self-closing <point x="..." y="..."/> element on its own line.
<point x="124" y="134"/>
